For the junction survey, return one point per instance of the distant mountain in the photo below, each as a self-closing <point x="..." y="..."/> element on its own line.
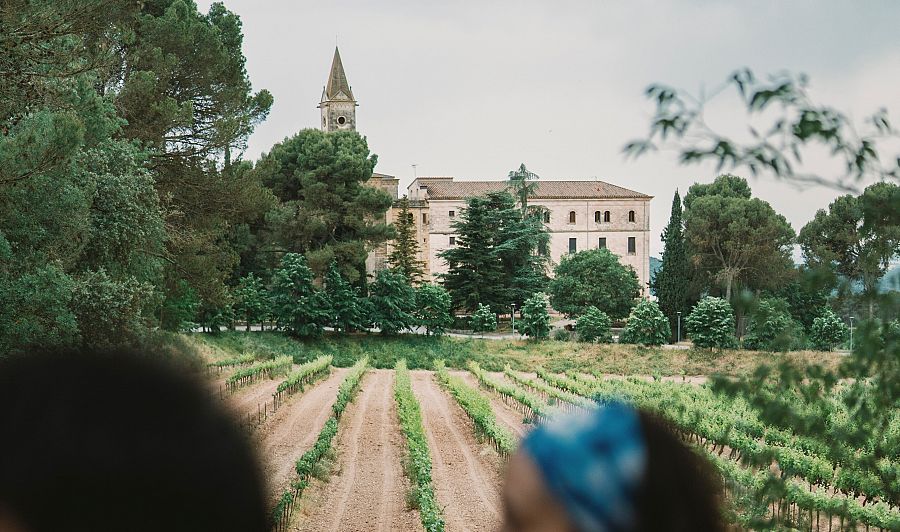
<point x="655" y="265"/>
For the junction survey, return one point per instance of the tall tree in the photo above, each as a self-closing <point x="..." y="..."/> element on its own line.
<point x="342" y="303"/>
<point x="523" y="184"/>
<point x="594" y="278"/>
<point x="858" y="236"/>
<point x="403" y="257"/>
<point x="672" y="282"/>
<point x="735" y="239"/>
<point x="433" y="308"/>
<point x="327" y="211"/>
<point x="393" y="302"/>
<point x="495" y="260"/>
<point x="296" y="304"/>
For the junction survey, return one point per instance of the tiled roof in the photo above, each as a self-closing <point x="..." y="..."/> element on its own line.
<point x="447" y="188"/>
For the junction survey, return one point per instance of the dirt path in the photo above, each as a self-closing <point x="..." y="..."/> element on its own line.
<point x="246" y="399"/>
<point x="505" y="414"/>
<point x="466" y="474"/>
<point x="369" y="490"/>
<point x="293" y="430"/>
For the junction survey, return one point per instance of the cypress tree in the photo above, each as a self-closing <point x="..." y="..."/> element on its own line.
<point x="672" y="282"/>
<point x="406" y="246"/>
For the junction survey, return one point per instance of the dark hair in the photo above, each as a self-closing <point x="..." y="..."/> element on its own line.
<point x="120" y="441"/>
<point x="681" y="490"/>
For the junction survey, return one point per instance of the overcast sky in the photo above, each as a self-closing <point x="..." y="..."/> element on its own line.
<point x="472" y="89"/>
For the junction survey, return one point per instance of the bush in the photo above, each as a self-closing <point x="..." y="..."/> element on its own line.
<point x="711" y="323"/>
<point x="535" y="322"/>
<point x="594" y="326"/>
<point x="772" y="328"/>
<point x="433" y="308"/>
<point x="562" y="335"/>
<point x="393" y="302"/>
<point x="483" y="320"/>
<point x="296" y="304"/>
<point x="827" y="330"/>
<point x="646" y="325"/>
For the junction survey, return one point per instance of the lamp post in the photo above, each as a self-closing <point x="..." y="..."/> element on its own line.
<point x="512" y="318"/>
<point x="851" y="334"/>
<point x="679" y="328"/>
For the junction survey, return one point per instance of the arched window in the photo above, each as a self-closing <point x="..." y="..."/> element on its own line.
<point x="597" y="217"/>
<point x="631" y="216"/>
<point x="606" y="216"/>
<point x="571" y="217"/>
<point x="546" y="217"/>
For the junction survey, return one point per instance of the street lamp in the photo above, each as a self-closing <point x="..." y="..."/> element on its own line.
<point x="679" y="327"/>
<point x="851" y="334"/>
<point x="512" y="318"/>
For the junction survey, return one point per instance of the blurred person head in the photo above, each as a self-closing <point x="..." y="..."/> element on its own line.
<point x="119" y="441"/>
<point x="613" y="469"/>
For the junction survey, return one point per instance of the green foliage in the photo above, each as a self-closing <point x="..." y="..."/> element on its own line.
<point x="479" y="410"/>
<point x="807" y="294"/>
<point x="736" y="239"/>
<point x="827" y="330"/>
<point x="535" y="322"/>
<point x="341" y="302"/>
<point x="296" y="305"/>
<point x="593" y="277"/>
<point x="535" y="407"/>
<point x="646" y="325"/>
<point x="36" y="310"/>
<point x="393" y="302"/>
<point x="671" y="284"/>
<point x="404" y="255"/>
<point x="522" y="185"/>
<point x="771" y="327"/>
<point x="483" y="319"/>
<point x="251" y="300"/>
<point x="109" y="311"/>
<point x="242" y="376"/>
<point x="304" y="374"/>
<point x="594" y="326"/>
<point x="418" y="455"/>
<point x="433" y="308"/>
<point x="711" y="323"/>
<point x="326" y="210"/>
<point x="494" y="261"/>
<point x="858" y="237"/>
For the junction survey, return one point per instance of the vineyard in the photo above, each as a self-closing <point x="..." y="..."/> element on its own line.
<point x="400" y="449"/>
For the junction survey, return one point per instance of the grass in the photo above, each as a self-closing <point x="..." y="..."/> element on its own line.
<point x="494" y="355"/>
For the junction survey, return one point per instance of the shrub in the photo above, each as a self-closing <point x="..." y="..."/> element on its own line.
<point x="535" y="322"/>
<point x="393" y="302"/>
<point x="594" y="326"/>
<point x="827" y="330"/>
<point x="711" y="323"/>
<point x="433" y="308"/>
<point x="562" y="335"/>
<point x="646" y="325"/>
<point x="483" y="320"/>
<point x="296" y="304"/>
<point x="772" y="328"/>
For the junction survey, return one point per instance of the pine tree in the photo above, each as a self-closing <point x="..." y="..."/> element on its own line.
<point x="406" y="245"/>
<point x="672" y="282"/>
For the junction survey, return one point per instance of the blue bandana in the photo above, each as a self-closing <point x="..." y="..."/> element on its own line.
<point x="593" y="463"/>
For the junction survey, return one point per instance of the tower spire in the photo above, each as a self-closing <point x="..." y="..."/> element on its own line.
<point x="337" y="87"/>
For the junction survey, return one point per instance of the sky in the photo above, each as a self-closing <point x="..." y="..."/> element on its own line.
<point x="473" y="89"/>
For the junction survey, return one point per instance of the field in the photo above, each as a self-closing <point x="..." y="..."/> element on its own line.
<point x="351" y="438"/>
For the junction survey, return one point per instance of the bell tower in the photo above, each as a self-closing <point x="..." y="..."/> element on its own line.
<point x="338" y="105"/>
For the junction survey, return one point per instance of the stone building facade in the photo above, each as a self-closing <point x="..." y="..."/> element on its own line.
<point x="581" y="214"/>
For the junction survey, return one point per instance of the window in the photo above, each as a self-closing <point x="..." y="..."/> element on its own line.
<point x="597" y="216"/>
<point x="542" y="249"/>
<point x="573" y="245"/>
<point x="632" y="245"/>
<point x="546" y="217"/>
<point x="341" y="120"/>
<point x="571" y="217"/>
<point x="452" y="214"/>
<point x="606" y="216"/>
<point x="424" y="217"/>
<point x="631" y="216"/>
<point x="602" y="243"/>
<point x="452" y="240"/>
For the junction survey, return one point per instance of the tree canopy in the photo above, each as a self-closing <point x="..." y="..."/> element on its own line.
<point x="672" y="283"/>
<point x="595" y="278"/>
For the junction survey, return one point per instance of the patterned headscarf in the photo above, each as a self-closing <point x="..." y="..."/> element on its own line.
<point x="593" y="463"/>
